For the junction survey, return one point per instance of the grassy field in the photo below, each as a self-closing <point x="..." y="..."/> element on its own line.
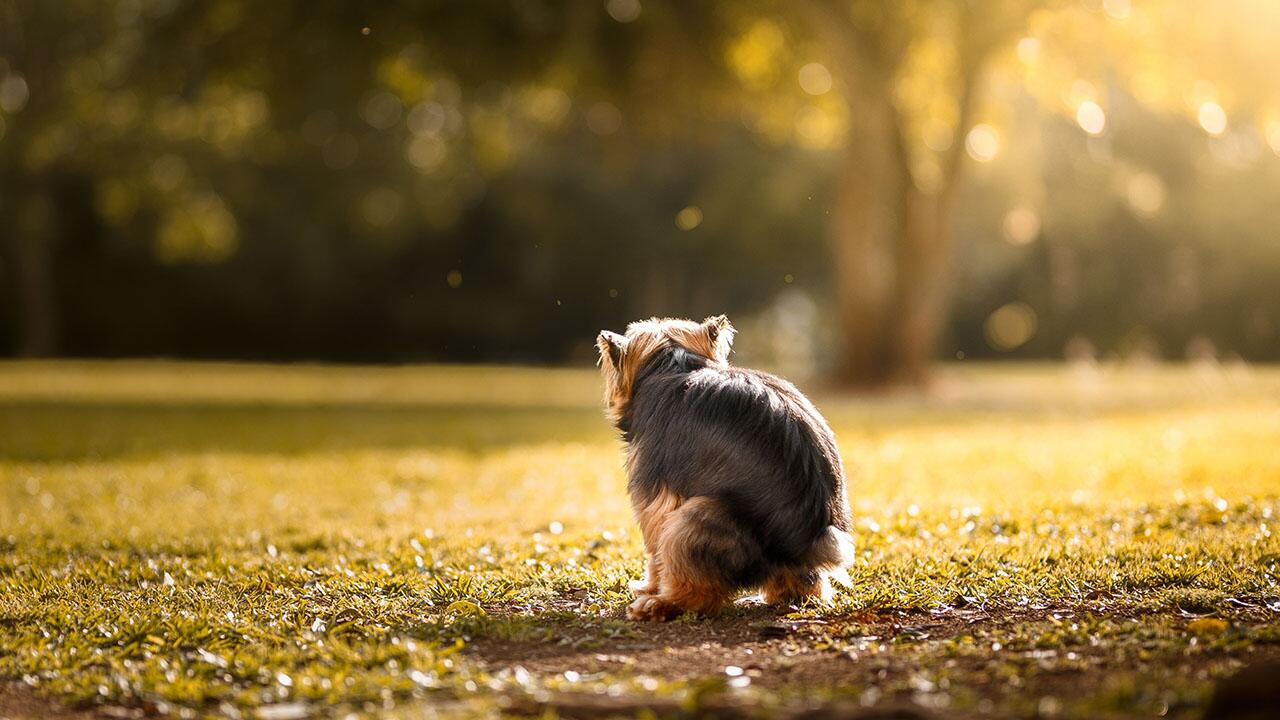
<point x="241" y="541"/>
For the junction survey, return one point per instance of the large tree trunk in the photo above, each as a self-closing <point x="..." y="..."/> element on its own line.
<point x="863" y="223"/>
<point x="890" y="238"/>
<point x="892" y="256"/>
<point x="922" y="290"/>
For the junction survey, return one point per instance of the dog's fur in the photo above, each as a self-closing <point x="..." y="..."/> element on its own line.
<point x="733" y="474"/>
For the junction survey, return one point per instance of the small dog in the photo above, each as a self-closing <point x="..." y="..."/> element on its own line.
<point x="733" y="474"/>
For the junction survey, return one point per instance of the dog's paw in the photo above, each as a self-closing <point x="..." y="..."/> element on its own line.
<point x="651" y="607"/>
<point x="642" y="587"/>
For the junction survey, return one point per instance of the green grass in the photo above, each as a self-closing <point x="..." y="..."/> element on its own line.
<point x="212" y="539"/>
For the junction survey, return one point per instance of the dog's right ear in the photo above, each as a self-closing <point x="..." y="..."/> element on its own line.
<point x="611" y="345"/>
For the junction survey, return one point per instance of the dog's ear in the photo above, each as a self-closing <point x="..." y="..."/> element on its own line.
<point x="611" y="346"/>
<point x="720" y="334"/>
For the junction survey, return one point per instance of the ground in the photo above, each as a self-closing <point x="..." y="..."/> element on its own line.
<point x="279" y="542"/>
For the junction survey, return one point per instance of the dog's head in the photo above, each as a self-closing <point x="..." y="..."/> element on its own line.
<point x="623" y="356"/>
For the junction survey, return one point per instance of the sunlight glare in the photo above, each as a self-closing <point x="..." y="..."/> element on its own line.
<point x="982" y="143"/>
<point x="1273" y="136"/>
<point x="1213" y="118"/>
<point x="1145" y="192"/>
<point x="1028" y="50"/>
<point x="1091" y="117"/>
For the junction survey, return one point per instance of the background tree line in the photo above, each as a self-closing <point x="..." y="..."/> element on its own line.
<point x="871" y="185"/>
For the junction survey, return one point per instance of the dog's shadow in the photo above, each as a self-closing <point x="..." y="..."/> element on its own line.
<point x="564" y="637"/>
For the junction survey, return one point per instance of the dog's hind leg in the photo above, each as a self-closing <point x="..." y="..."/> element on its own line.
<point x="653" y="517"/>
<point x="700" y="549"/>
<point x="788" y="587"/>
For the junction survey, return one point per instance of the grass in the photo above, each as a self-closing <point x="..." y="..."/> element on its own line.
<point x="226" y="540"/>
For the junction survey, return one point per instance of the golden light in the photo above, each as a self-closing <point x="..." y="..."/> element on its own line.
<point x="815" y="79"/>
<point x="817" y="127"/>
<point x="1273" y="136"/>
<point x="624" y="11"/>
<point x="1213" y="118"/>
<point x="454" y="279"/>
<point x="1010" y="326"/>
<point x="1117" y="9"/>
<point x="549" y="105"/>
<point x="1146" y="193"/>
<point x="1091" y="118"/>
<point x="689" y="218"/>
<point x="1021" y="225"/>
<point x="754" y="56"/>
<point x="937" y="135"/>
<point x="1028" y="50"/>
<point x="982" y="143"/>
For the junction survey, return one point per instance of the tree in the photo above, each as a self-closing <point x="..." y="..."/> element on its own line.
<point x="895" y="198"/>
<point x="890" y="227"/>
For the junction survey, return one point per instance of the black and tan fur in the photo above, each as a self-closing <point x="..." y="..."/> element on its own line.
<point x="733" y="474"/>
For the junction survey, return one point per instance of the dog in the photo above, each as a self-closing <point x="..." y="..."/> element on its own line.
<point x="733" y="474"/>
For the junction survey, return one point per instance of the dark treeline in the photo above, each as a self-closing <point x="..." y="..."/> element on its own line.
<point x="497" y="181"/>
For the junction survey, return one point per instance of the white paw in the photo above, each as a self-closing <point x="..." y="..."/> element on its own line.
<point x="646" y="607"/>
<point x="642" y="587"/>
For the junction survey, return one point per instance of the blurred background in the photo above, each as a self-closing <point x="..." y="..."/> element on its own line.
<point x="866" y="188"/>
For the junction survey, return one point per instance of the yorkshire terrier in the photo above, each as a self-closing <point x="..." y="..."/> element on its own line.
<point x="733" y="474"/>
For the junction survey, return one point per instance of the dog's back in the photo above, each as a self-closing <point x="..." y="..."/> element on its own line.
<point x="754" y="451"/>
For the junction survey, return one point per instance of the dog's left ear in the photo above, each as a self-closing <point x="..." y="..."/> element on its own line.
<point x="611" y="345"/>
<point x="719" y="333"/>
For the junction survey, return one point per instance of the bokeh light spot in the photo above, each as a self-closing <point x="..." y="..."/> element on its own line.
<point x="1028" y="50"/>
<point x="426" y="119"/>
<point x="381" y="110"/>
<point x="1146" y="193"/>
<point x="1091" y="118"/>
<point x="982" y="143"/>
<point x="815" y="79"/>
<point x="1010" y="326"/>
<point x="380" y="207"/>
<point x="13" y="94"/>
<point x="454" y="279"/>
<point x="938" y="135"/>
<point x="689" y="218"/>
<point x="624" y="11"/>
<point x="1117" y="9"/>
<point x="1212" y="118"/>
<point x="1273" y="136"/>
<point x="603" y="118"/>
<point x="818" y="128"/>
<point x="427" y="153"/>
<point x="1021" y="225"/>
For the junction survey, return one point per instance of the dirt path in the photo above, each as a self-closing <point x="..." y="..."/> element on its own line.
<point x="909" y="664"/>
<point x="19" y="702"/>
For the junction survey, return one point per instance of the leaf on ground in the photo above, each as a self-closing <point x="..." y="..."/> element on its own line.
<point x="1208" y="626"/>
<point x="464" y="607"/>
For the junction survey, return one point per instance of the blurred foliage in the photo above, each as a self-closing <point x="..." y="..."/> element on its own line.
<point x="423" y="180"/>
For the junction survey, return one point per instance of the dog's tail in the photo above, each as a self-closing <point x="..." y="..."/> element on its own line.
<point x="834" y="553"/>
